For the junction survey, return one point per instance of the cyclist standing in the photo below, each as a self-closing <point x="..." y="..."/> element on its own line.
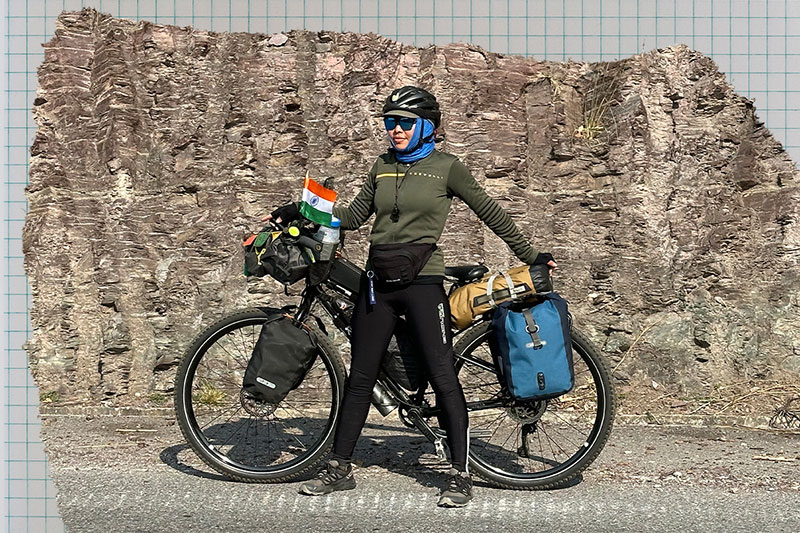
<point x="409" y="189"/>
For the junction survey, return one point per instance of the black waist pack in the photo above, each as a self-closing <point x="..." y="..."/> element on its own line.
<point x="396" y="265"/>
<point x="283" y="354"/>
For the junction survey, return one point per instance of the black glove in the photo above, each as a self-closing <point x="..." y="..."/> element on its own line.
<point x="542" y="282"/>
<point x="286" y="213"/>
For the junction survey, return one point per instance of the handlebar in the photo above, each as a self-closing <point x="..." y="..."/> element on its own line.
<point x="304" y="225"/>
<point x="302" y="239"/>
<point x="308" y="242"/>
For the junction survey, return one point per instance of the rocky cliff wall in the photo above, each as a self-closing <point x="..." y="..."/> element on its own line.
<point x="671" y="209"/>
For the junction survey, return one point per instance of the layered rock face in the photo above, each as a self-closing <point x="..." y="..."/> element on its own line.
<point x="671" y="210"/>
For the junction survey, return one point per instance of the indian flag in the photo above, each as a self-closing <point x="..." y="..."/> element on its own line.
<point x="317" y="204"/>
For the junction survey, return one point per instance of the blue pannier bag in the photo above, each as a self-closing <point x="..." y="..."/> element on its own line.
<point x="532" y="347"/>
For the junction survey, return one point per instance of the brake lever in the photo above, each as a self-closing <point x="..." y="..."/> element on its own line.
<point x="276" y="225"/>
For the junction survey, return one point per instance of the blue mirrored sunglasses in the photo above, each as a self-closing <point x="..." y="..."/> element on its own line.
<point x="405" y="122"/>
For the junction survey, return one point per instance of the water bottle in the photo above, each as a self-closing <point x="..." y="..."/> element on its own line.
<point x="329" y="237"/>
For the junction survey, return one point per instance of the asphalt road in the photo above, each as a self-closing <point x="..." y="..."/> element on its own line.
<point x="647" y="479"/>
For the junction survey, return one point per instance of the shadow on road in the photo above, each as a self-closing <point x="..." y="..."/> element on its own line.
<point x="397" y="449"/>
<point x="413" y="456"/>
<point x="169" y="456"/>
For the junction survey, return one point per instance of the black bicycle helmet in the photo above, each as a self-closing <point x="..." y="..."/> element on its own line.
<point x="413" y="100"/>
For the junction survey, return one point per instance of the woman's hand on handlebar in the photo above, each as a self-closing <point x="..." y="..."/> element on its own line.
<point x="284" y="214"/>
<point x="546" y="259"/>
<point x="274" y="222"/>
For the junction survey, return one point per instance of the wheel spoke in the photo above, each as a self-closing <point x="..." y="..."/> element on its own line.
<point x="262" y="441"/>
<point x="239" y="427"/>
<point x="559" y="429"/>
<point x="222" y="413"/>
<point x="283" y="424"/>
<point x="238" y="358"/>
<point x="238" y="408"/>
<point x="555" y="414"/>
<point x="222" y="378"/>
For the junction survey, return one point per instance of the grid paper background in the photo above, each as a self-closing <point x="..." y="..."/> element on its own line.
<point x="755" y="42"/>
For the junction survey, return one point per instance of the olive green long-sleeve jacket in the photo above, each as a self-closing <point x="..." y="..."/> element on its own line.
<point x="424" y="191"/>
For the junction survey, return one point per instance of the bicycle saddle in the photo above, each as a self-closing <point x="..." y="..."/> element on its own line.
<point x="466" y="272"/>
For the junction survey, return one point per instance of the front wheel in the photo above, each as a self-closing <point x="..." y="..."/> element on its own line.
<point x="536" y="444"/>
<point x="243" y="439"/>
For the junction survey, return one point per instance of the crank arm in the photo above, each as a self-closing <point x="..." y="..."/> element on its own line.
<point x="422" y="425"/>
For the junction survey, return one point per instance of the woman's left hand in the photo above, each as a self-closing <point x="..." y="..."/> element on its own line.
<point x="543" y="258"/>
<point x="284" y="214"/>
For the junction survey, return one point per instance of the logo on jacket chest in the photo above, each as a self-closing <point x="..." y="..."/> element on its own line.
<point x="425" y="174"/>
<point x="428" y="175"/>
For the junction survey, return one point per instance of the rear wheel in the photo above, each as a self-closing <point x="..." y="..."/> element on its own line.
<point x="534" y="444"/>
<point x="244" y="439"/>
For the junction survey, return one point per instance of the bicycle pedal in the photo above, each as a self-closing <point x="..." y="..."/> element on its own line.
<point x="430" y="461"/>
<point x="440" y="453"/>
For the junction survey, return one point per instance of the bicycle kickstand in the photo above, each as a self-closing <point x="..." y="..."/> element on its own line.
<point x="527" y="429"/>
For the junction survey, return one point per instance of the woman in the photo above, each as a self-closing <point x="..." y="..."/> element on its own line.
<point x="409" y="188"/>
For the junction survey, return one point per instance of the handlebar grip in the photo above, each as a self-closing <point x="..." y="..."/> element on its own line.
<point x="540" y="276"/>
<point x="310" y="243"/>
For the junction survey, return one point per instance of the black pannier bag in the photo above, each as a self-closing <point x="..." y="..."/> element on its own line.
<point x="402" y="362"/>
<point x="283" y="354"/>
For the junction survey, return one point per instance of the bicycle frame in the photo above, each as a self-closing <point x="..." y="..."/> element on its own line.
<point x="336" y="285"/>
<point x="387" y="395"/>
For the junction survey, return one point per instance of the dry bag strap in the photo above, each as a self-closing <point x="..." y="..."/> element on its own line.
<point x="490" y="295"/>
<point x="510" y="285"/>
<point x="489" y="290"/>
<point x="533" y="329"/>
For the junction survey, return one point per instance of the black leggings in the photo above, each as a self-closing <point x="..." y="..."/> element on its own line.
<point x="427" y="312"/>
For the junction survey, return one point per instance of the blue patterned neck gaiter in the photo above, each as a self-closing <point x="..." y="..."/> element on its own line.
<point x="420" y="145"/>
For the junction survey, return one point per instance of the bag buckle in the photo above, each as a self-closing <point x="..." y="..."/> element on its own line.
<point x="532" y="328"/>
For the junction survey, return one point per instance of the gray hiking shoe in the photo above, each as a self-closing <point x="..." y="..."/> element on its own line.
<point x="458" y="491"/>
<point x="334" y="476"/>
